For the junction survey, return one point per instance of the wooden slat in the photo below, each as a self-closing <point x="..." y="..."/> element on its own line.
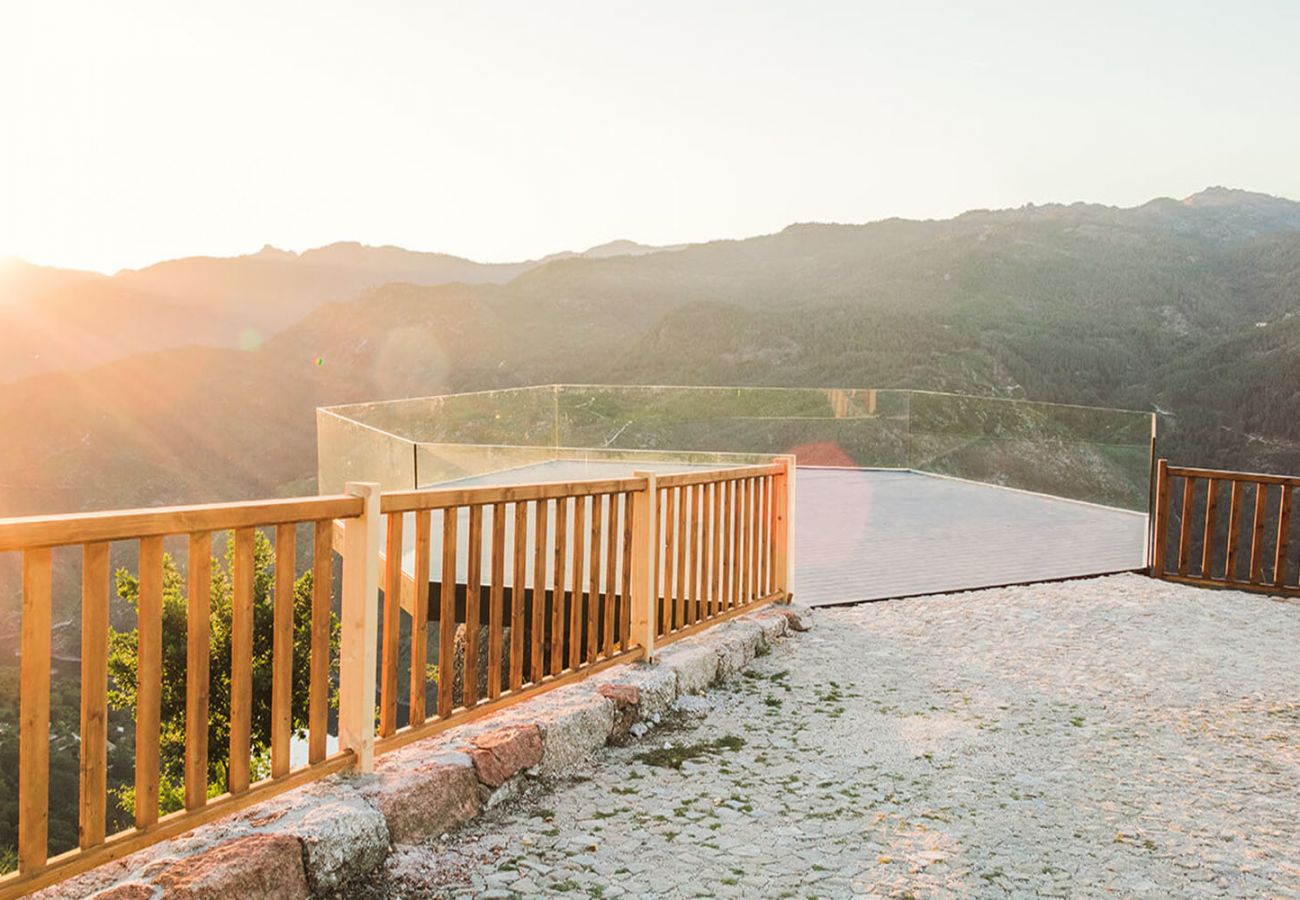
<point x="1257" y="536"/>
<point x="612" y="536"/>
<point x="593" y="582"/>
<point x="391" y="626"/>
<point x="728" y="490"/>
<point x="241" y="663"/>
<point x="558" y="618"/>
<point x="282" y="650"/>
<point x="322" y="578"/>
<point x="707" y="561"/>
<point x="473" y="586"/>
<point x="447" y="614"/>
<point x="420" y="617"/>
<point x="1283" y="535"/>
<point x="769" y="583"/>
<point x="716" y="491"/>
<point x="1160" y="537"/>
<point x="131" y="524"/>
<point x="682" y="541"/>
<point x="496" y="600"/>
<point x="1248" y="477"/>
<point x="1185" y="533"/>
<point x="148" y="707"/>
<point x="576" y="605"/>
<point x="93" y="775"/>
<point x="754" y="510"/>
<point x="625" y="608"/>
<point x="34" y="712"/>
<point x="517" y="597"/>
<point x="746" y="542"/>
<point x="198" y="647"/>
<point x="692" y="553"/>
<point x="669" y="505"/>
<point x="537" y="651"/>
<point x="440" y="498"/>
<point x="1211" y="520"/>
<point x="1234" y="530"/>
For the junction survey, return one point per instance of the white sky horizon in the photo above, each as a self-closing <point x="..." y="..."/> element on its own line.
<point x="508" y="131"/>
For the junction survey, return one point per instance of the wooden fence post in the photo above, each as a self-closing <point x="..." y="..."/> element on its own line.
<point x="645" y="516"/>
<point x="785" y="530"/>
<point x="362" y="538"/>
<point x="1160" y="532"/>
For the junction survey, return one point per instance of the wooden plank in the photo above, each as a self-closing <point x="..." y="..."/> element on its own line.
<point x="625" y="609"/>
<point x="1185" y="533"/>
<point x="282" y="649"/>
<point x="576" y="604"/>
<point x="707" y="561"/>
<point x="517" y="597"/>
<point x="723" y="617"/>
<point x="1248" y="477"/>
<point x="593" y="584"/>
<point x="1268" y="589"/>
<point x="727" y="490"/>
<point x="692" y="533"/>
<point x="241" y="663"/>
<point x="669" y="505"/>
<point x="1211" y="520"/>
<point x="440" y="498"/>
<point x="754" y="511"/>
<point x="131" y="524"/>
<point x="362" y="548"/>
<point x="473" y="586"/>
<point x="1283" y="535"/>
<point x="746" y="517"/>
<point x="128" y="841"/>
<point x="447" y="614"/>
<point x="419" y="685"/>
<point x="684" y="479"/>
<point x="322" y="577"/>
<point x="1234" y="530"/>
<point x="612" y="536"/>
<point x="148" y="708"/>
<point x="538" y="651"/>
<point x="716" y="491"/>
<point x="198" y="648"/>
<point x="1257" y="536"/>
<point x="682" y="541"/>
<point x="558" y="618"/>
<point x="93" y="774"/>
<point x="34" y="712"/>
<point x="391" y="627"/>
<point x="496" y="600"/>
<point x="1161" y="534"/>
<point x="769" y="492"/>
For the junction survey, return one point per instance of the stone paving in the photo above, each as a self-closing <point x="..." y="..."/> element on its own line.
<point x="1113" y="736"/>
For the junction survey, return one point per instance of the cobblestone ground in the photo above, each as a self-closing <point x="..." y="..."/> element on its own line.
<point x="1114" y="736"/>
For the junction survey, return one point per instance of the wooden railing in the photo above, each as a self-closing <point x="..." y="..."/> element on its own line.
<point x="559" y="580"/>
<point x="1229" y="529"/>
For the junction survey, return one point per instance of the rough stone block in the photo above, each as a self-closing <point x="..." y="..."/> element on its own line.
<point x="259" y="865"/>
<point x="799" y="616"/>
<point x="424" y="801"/>
<point x="774" y="624"/>
<point x="574" y="724"/>
<point x="736" y="644"/>
<point x="500" y="754"/>
<point x="343" y="837"/>
<point x="696" y="666"/>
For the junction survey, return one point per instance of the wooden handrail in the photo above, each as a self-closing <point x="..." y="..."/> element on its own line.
<point x="684" y="479"/>
<point x="442" y="498"/>
<point x="1226" y="475"/>
<point x="29" y="532"/>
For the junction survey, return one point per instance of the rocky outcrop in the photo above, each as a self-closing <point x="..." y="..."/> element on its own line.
<point x="501" y="754"/>
<point x="261" y="865"/>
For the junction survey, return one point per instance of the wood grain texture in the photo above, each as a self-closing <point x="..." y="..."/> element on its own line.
<point x="148" y="708"/>
<point x="1161" y="536"/>
<point x="538" y="649"/>
<point x="576" y="602"/>
<point x="34" y="712"/>
<point x="390" y="649"/>
<point x="446" y="614"/>
<point x="517" y="618"/>
<point x="419" y="675"/>
<point x="560" y="570"/>
<point x="496" y="600"/>
<point x="593" y="580"/>
<point x="241" y="663"/>
<point x="473" y="587"/>
<point x="1283" y="535"/>
<point x="322" y="578"/>
<point x="1185" y="526"/>
<point x="625" y="567"/>
<point x="1256" y="535"/>
<point x="198" y="646"/>
<point x="282" y="650"/>
<point x="93" y="768"/>
<point x="1235" y="507"/>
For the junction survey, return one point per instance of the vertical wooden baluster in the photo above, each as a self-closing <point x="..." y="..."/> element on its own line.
<point x="447" y="614"/>
<point x="419" y="676"/>
<point x="241" y="663"/>
<point x="496" y="600"/>
<point x="1283" y="533"/>
<point x="575" y="602"/>
<point x="625" y="600"/>
<point x="754" y="513"/>
<point x="692" y="554"/>
<point x="611" y="568"/>
<point x="670" y="531"/>
<point x="1234" y="530"/>
<point x="34" y="712"/>
<point x="767" y="536"/>
<point x="716" y="491"/>
<point x="1211" y="519"/>
<point x="148" y="712"/>
<point x="1160" y="537"/>
<point x="198" y="646"/>
<point x="282" y="650"/>
<point x="322" y="578"/>
<point x="728" y="543"/>
<point x="557" y="602"/>
<point x="539" y="651"/>
<point x="517" y="618"/>
<point x="746" y="538"/>
<point x="473" y="616"/>
<point x="94" y="695"/>
<point x="593" y="582"/>
<point x="1257" y="535"/>
<point x="683" y="540"/>
<point x="707" y="561"/>
<point x="391" y="625"/>
<point x="1185" y="533"/>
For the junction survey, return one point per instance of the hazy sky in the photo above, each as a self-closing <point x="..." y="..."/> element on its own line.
<point x="139" y="131"/>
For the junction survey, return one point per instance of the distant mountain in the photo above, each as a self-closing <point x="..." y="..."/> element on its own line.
<point x="1187" y="304"/>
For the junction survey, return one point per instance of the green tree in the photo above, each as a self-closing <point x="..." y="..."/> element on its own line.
<point x="123" y="667"/>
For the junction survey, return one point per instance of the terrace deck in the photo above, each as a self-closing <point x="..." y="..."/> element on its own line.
<point x="864" y="534"/>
